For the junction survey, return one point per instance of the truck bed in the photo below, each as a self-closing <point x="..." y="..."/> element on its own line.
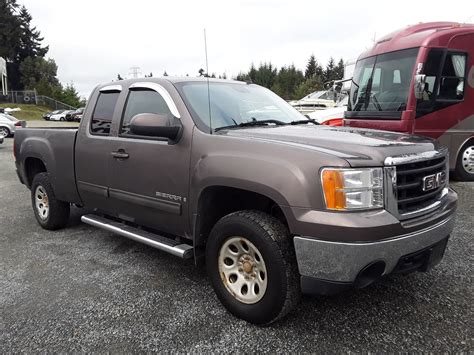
<point x="55" y="148"/>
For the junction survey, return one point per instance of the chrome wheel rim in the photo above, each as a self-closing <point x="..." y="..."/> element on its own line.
<point x="4" y="132"/>
<point x="468" y="160"/>
<point x="242" y="270"/>
<point x="41" y="202"/>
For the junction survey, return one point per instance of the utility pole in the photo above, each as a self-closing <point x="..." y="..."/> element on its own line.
<point x="135" y="72"/>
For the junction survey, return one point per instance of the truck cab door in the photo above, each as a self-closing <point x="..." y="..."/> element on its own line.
<point x="149" y="177"/>
<point x="93" y="146"/>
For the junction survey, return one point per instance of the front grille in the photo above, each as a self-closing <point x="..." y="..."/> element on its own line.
<point x="410" y="193"/>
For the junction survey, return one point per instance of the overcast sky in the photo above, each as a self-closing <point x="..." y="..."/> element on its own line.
<point x="93" y="40"/>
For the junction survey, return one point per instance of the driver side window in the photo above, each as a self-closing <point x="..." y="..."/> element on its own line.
<point x="142" y="101"/>
<point x="444" y="85"/>
<point x="451" y="85"/>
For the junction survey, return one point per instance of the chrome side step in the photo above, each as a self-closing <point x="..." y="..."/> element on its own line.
<point x="171" y="246"/>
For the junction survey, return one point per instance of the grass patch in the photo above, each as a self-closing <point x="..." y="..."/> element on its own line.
<point x="28" y="112"/>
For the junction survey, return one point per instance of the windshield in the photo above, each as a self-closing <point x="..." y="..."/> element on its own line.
<point x="317" y="95"/>
<point x="234" y="103"/>
<point x="382" y="83"/>
<point x="8" y="117"/>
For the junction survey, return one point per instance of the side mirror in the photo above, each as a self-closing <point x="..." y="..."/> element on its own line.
<point x="154" y="125"/>
<point x="419" y="85"/>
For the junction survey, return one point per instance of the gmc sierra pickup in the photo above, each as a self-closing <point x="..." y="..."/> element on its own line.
<point x="231" y="175"/>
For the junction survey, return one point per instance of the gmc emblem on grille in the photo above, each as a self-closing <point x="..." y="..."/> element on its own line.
<point x="431" y="182"/>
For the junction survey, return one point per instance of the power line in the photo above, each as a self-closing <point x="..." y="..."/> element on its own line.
<point x="135" y="72"/>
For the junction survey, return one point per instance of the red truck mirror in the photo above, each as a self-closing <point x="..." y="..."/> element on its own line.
<point x="155" y="125"/>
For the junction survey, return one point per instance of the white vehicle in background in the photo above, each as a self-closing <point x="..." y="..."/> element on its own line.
<point x="9" y="124"/>
<point x="318" y="100"/>
<point x="331" y="116"/>
<point x="61" y="116"/>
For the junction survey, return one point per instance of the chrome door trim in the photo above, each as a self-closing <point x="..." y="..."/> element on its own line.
<point x="160" y="90"/>
<point x="111" y="88"/>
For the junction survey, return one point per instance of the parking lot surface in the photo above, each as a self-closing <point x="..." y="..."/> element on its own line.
<point x="83" y="289"/>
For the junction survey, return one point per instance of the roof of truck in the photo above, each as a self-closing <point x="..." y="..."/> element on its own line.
<point x="171" y="79"/>
<point x="431" y="34"/>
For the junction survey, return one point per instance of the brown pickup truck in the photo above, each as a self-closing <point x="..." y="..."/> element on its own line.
<point x="229" y="174"/>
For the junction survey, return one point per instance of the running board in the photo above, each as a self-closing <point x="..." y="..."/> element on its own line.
<point x="168" y="245"/>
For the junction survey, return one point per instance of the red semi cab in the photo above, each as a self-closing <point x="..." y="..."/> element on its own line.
<point x="420" y="80"/>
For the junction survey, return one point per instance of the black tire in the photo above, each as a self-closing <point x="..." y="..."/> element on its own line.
<point x="58" y="211"/>
<point x="461" y="173"/>
<point x="274" y="243"/>
<point x="6" y="131"/>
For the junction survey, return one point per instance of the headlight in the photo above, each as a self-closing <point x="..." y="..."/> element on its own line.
<point x="352" y="189"/>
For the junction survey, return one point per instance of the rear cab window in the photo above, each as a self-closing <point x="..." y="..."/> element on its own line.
<point x="103" y="113"/>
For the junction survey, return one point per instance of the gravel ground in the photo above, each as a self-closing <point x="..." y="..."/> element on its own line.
<point x="83" y="289"/>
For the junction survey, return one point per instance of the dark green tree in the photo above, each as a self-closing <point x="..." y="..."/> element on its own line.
<point x="34" y="70"/>
<point x="339" y="70"/>
<point x="329" y="72"/>
<point x="70" y="96"/>
<point x="311" y="67"/>
<point x="18" y="40"/>
<point x="287" y="81"/>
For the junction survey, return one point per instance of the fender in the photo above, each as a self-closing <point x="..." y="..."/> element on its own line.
<point x="58" y="158"/>
<point x="251" y="173"/>
<point x="39" y="148"/>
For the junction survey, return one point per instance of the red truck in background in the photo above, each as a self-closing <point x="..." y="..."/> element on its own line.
<point x="420" y="80"/>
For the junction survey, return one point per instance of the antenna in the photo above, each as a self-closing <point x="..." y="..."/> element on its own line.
<point x="208" y="89"/>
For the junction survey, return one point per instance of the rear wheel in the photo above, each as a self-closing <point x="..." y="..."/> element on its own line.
<point x="50" y="213"/>
<point x="465" y="162"/>
<point x="252" y="266"/>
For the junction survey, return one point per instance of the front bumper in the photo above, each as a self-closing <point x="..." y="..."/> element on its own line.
<point x="329" y="266"/>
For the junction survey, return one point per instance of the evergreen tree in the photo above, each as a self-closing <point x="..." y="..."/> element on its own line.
<point x="265" y="75"/>
<point x="119" y="77"/>
<point x="311" y="67"/>
<point x="339" y="70"/>
<point x="287" y="81"/>
<point x="18" y="40"/>
<point x="329" y="73"/>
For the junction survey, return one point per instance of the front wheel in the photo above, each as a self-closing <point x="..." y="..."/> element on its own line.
<point x="465" y="162"/>
<point x="252" y="267"/>
<point x="50" y="213"/>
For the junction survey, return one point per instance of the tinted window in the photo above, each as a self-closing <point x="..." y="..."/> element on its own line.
<point x="444" y="81"/>
<point x="143" y="101"/>
<point x="103" y="113"/>
<point x="382" y="83"/>
<point x="451" y="86"/>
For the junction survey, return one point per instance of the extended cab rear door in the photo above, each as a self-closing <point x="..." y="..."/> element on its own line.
<point x="93" y="147"/>
<point x="149" y="177"/>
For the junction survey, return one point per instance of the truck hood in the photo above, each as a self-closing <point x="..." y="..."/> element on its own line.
<point x="359" y="147"/>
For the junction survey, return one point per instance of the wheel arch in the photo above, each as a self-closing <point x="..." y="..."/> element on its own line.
<point x="217" y="201"/>
<point x="32" y="167"/>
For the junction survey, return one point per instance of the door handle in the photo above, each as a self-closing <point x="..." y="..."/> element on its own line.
<point x="120" y="154"/>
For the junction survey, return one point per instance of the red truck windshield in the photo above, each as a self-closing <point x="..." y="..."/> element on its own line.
<point x="381" y="84"/>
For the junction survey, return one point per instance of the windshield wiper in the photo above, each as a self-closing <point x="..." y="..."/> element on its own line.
<point x="252" y="124"/>
<point x="307" y="120"/>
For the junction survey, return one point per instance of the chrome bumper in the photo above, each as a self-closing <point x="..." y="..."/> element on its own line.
<point x="342" y="262"/>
